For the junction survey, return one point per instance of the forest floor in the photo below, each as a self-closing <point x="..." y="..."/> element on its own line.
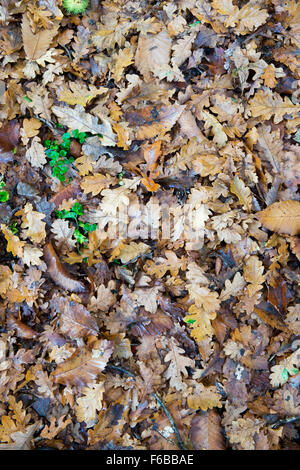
<point x="149" y="216"/>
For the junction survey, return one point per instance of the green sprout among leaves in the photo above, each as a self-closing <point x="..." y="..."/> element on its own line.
<point x="286" y="372"/>
<point x="4" y="195"/>
<point x="14" y="228"/>
<point x="82" y="228"/>
<point x="59" y="154"/>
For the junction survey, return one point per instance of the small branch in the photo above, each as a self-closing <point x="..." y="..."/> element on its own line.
<point x="120" y="369"/>
<point x="179" y="441"/>
<point x="282" y="422"/>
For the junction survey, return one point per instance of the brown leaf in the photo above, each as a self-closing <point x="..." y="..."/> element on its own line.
<point x="9" y="135"/>
<point x="75" y="319"/>
<point x="36" y="45"/>
<point x="83" y="367"/>
<point x="270" y="315"/>
<point x="206" y="431"/>
<point x="58" y="273"/>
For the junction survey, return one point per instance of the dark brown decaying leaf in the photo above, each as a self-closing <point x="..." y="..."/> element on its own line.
<point x="75" y="319"/>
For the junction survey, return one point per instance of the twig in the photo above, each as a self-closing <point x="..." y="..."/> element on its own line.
<point x="120" y="369"/>
<point x="282" y="422"/>
<point x="179" y="441"/>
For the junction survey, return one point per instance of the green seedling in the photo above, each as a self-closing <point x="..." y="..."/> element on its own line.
<point x="82" y="228"/>
<point x="59" y="154"/>
<point x="4" y="195"/>
<point x="14" y="228"/>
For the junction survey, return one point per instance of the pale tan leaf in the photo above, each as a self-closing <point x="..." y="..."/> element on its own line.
<point x="36" y="153"/>
<point x="177" y="367"/>
<point x="36" y="45"/>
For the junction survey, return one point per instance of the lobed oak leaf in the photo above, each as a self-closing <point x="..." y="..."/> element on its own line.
<point x="32" y="222"/>
<point x="268" y="104"/>
<point x="220" y="137"/>
<point x="200" y="322"/>
<point x="95" y="183"/>
<point x="204" y="398"/>
<point x="103" y="299"/>
<point x="121" y="60"/>
<point x="5" y="279"/>
<point x="177" y="367"/>
<point x="147" y="297"/>
<point x="30" y="128"/>
<point x="83" y="367"/>
<point x="32" y="255"/>
<point x="162" y="265"/>
<point x="233" y="288"/>
<point x="14" y="244"/>
<point x="243" y="430"/>
<point x="281" y="217"/>
<point x="238" y="187"/>
<point x="55" y="427"/>
<point x="75" y="319"/>
<point x="78" y="93"/>
<point x="63" y="233"/>
<point x="89" y="403"/>
<point x="35" y="154"/>
<point x="253" y="273"/>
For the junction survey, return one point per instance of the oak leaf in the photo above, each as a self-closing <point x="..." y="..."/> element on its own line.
<point x="204" y="398"/>
<point x="83" y="367"/>
<point x="14" y="244"/>
<point x="89" y="403"/>
<point x="268" y="104"/>
<point x="95" y="183"/>
<point x="36" y="153"/>
<point x="177" y="367"/>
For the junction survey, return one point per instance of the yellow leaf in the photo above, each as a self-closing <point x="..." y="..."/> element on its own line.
<point x="269" y="76"/>
<point x="14" y="244"/>
<point x="121" y="60"/>
<point x="268" y="104"/>
<point x="205" y="398"/>
<point x="282" y="217"/>
<point x="238" y="187"/>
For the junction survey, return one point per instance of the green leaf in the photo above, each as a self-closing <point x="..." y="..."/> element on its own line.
<point x="80" y="237"/>
<point x="4" y="196"/>
<point x="77" y="208"/>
